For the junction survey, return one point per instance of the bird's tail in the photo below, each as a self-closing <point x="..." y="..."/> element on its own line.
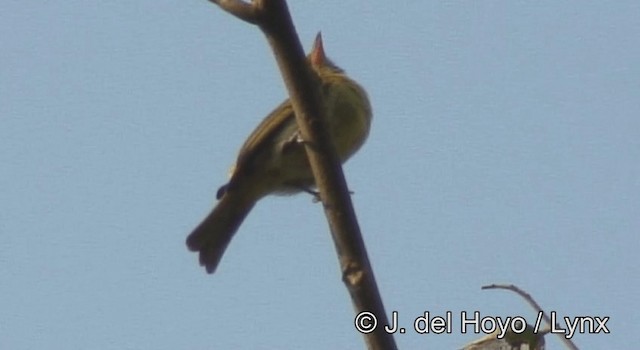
<point x="213" y="235"/>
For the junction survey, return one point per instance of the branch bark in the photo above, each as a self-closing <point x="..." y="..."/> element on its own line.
<point x="240" y="9"/>
<point x="273" y="18"/>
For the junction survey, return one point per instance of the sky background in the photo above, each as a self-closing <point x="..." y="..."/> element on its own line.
<point x="505" y="148"/>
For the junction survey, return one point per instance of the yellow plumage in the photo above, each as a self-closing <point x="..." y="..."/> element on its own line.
<point x="273" y="161"/>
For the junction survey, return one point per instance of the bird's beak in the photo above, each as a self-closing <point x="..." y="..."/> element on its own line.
<point x="317" y="55"/>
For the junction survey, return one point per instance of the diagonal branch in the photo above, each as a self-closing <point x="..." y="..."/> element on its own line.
<point x="273" y="18"/>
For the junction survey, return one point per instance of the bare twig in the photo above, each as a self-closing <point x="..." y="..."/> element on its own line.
<point x="242" y="10"/>
<point x="272" y="16"/>
<point x="526" y="296"/>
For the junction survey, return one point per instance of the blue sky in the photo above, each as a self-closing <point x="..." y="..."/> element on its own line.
<point x="505" y="149"/>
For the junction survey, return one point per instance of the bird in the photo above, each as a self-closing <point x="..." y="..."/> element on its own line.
<point x="273" y="159"/>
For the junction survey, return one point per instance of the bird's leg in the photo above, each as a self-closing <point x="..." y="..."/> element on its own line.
<point x="294" y="140"/>
<point x="314" y="193"/>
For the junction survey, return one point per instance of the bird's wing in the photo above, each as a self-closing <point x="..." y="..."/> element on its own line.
<point x="263" y="136"/>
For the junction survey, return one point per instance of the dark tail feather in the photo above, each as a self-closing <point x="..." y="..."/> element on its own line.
<point x="213" y="235"/>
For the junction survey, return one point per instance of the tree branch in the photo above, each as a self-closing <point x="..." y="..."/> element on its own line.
<point x="242" y="10"/>
<point x="273" y="18"/>
<point x="526" y="296"/>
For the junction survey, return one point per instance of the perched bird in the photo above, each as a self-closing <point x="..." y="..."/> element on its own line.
<point x="273" y="159"/>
